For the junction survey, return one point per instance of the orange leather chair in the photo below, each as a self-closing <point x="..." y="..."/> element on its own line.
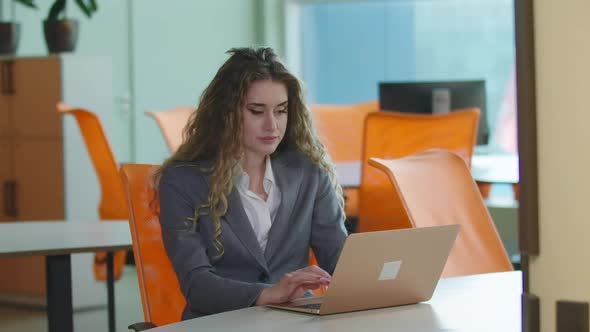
<point x="393" y="135"/>
<point x="161" y="298"/>
<point x="112" y="204"/>
<point x="486" y="187"/>
<point x="341" y="130"/>
<point x="172" y="123"/>
<point x="435" y="187"/>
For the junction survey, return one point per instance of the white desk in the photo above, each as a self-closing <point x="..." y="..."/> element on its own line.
<point x="495" y="168"/>
<point x="349" y="173"/>
<point x="485" y="168"/>
<point x="489" y="302"/>
<point x="56" y="240"/>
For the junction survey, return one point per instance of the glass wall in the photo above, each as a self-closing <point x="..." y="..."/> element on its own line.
<point x="348" y="47"/>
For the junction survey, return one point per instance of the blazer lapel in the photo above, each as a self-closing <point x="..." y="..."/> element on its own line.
<point x="237" y="219"/>
<point x="288" y="178"/>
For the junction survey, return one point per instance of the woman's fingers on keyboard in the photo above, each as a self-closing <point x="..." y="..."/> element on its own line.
<point x="318" y="270"/>
<point x="304" y="277"/>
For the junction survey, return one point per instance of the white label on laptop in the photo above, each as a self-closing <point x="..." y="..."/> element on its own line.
<point x="390" y="270"/>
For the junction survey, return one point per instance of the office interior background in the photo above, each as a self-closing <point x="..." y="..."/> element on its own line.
<point x="163" y="53"/>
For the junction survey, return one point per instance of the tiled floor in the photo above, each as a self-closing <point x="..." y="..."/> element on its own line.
<point x="127" y="305"/>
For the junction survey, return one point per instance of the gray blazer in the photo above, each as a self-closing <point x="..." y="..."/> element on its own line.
<point x="309" y="216"/>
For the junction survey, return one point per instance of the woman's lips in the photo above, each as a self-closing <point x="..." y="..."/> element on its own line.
<point x="268" y="139"/>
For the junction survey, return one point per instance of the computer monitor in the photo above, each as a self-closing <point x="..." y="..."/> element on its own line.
<point x="436" y="97"/>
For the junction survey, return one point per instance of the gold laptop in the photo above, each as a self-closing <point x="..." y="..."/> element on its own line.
<point x="383" y="269"/>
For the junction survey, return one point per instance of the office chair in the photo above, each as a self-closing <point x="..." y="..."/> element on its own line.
<point x="161" y="298"/>
<point x="392" y="135"/>
<point x="435" y="187"/>
<point x="485" y="189"/>
<point x="112" y="200"/>
<point x="340" y="128"/>
<point x="172" y="123"/>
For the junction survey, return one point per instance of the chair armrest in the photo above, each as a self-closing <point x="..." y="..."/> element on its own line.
<point x="141" y="326"/>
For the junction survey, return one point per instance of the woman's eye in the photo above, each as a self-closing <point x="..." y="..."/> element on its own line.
<point x="255" y="112"/>
<point x="282" y="110"/>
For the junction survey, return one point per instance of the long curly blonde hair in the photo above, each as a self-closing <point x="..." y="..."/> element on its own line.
<point x="214" y="130"/>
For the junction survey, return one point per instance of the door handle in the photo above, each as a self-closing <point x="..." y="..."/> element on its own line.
<point x="10" y="204"/>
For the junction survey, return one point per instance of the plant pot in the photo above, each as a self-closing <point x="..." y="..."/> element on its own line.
<point x="9" y="36"/>
<point x="61" y="36"/>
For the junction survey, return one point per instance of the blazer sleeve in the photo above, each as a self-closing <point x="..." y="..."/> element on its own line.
<point x="328" y="232"/>
<point x="204" y="290"/>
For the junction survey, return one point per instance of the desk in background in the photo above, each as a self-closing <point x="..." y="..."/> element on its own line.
<point x="57" y="241"/>
<point x="491" y="168"/>
<point x="486" y="302"/>
<point x="495" y="168"/>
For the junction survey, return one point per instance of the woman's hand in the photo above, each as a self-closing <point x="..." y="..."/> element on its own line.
<point x="293" y="285"/>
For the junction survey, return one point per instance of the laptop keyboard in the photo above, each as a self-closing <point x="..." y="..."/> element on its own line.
<point x="315" y="306"/>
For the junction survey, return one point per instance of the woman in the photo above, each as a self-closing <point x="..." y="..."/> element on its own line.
<point x="249" y="192"/>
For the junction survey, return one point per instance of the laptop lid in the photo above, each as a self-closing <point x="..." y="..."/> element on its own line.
<point x="389" y="268"/>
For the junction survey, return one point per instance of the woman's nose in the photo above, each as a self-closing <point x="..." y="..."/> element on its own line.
<point x="270" y="121"/>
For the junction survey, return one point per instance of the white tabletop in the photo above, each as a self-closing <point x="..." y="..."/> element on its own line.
<point x="489" y="302"/>
<point x="349" y="173"/>
<point x="495" y="168"/>
<point x="62" y="237"/>
<point x="492" y="168"/>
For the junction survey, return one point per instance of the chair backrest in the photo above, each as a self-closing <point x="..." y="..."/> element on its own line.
<point x="435" y="187"/>
<point x="341" y="128"/>
<point x="161" y="298"/>
<point x="172" y="123"/>
<point x="112" y="202"/>
<point x="393" y="135"/>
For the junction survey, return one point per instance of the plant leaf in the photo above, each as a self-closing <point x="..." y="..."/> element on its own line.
<point x="93" y="5"/>
<point x="28" y="3"/>
<point x="84" y="7"/>
<point x="56" y="9"/>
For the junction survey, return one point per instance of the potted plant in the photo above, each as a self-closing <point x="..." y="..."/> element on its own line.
<point x="10" y="30"/>
<point x="61" y="32"/>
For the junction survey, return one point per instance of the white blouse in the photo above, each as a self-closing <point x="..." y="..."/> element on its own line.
<point x="260" y="213"/>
